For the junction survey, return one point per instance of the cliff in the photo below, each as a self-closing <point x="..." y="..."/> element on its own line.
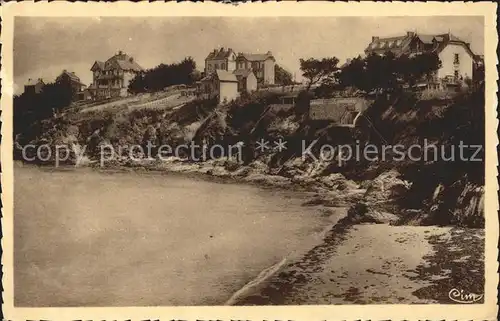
<point x="419" y="190"/>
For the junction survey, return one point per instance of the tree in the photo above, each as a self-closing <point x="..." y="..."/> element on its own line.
<point x="421" y="67"/>
<point x="387" y="72"/>
<point x="31" y="109"/>
<point x="282" y="76"/>
<point x="353" y="73"/>
<point x="478" y="74"/>
<point x="315" y="70"/>
<point x="381" y="72"/>
<point x="161" y="76"/>
<point x="137" y="84"/>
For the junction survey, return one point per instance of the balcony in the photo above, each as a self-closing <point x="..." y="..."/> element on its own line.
<point x="109" y="77"/>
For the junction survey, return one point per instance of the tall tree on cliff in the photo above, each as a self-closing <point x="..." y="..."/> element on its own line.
<point x="163" y="75"/>
<point x="282" y="76"/>
<point x="352" y="74"/>
<point x="317" y="71"/>
<point x="30" y="109"/>
<point x="388" y="72"/>
<point x="418" y="68"/>
<point x="381" y="72"/>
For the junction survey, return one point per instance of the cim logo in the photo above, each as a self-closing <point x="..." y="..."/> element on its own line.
<point x="461" y="297"/>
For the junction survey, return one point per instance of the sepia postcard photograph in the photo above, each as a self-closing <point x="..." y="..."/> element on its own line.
<point x="252" y="161"/>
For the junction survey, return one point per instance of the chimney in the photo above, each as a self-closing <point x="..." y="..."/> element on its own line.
<point x="374" y="38"/>
<point x="131" y="59"/>
<point x="410" y="33"/>
<point x="120" y="52"/>
<point x="222" y="49"/>
<point x="269" y="53"/>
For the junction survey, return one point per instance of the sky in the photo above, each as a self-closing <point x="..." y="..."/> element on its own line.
<point x="44" y="46"/>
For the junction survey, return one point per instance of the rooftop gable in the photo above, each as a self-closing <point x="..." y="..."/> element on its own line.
<point x="122" y="61"/>
<point x="71" y="75"/>
<point x="256" y="57"/>
<point x="98" y="65"/>
<point x="457" y="41"/>
<point x="438" y="42"/>
<point x="218" y="54"/>
<point x="389" y="43"/>
<point x="34" y="82"/>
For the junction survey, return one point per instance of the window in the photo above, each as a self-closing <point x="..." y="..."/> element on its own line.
<point x="223" y="66"/>
<point x="456" y="59"/>
<point x="216" y="66"/>
<point x="456" y="74"/>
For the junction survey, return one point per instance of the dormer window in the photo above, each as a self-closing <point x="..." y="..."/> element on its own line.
<point x="456" y="59"/>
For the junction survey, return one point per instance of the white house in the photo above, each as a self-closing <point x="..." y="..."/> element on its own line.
<point x="112" y="77"/>
<point x="220" y="59"/>
<point x="262" y="65"/>
<point x="455" y="54"/>
<point x="221" y="84"/>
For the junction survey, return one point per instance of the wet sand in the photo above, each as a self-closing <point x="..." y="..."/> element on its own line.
<point x="380" y="264"/>
<point x="84" y="238"/>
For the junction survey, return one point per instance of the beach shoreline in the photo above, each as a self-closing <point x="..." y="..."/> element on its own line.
<point x="300" y="278"/>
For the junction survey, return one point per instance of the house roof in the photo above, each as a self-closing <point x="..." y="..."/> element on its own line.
<point x="71" y="75"/>
<point x="438" y="42"/>
<point x="391" y="43"/>
<point x="33" y="82"/>
<point x="127" y="64"/>
<point x="120" y="60"/>
<point x="428" y="39"/>
<point x="97" y="65"/>
<point x="225" y="76"/>
<point x="220" y="53"/>
<point x="256" y="57"/>
<point x="206" y="78"/>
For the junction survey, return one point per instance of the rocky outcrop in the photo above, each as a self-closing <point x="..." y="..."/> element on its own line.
<point x="461" y="203"/>
<point x="387" y="187"/>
